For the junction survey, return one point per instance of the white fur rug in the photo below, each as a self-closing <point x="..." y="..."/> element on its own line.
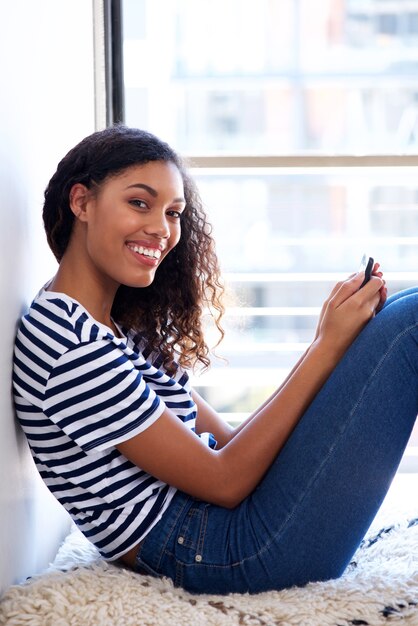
<point x="79" y="589"/>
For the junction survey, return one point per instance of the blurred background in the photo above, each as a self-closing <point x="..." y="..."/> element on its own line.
<point x="299" y="119"/>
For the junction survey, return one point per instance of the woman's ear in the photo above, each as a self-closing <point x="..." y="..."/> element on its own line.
<point x="79" y="195"/>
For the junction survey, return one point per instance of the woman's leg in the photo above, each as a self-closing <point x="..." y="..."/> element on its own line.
<point x="311" y="510"/>
<point x="331" y="478"/>
<point x="401" y="294"/>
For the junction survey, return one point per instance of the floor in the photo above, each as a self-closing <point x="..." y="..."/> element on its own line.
<point x="401" y="501"/>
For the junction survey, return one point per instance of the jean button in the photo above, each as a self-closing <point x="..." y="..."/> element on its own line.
<point x="198" y="558"/>
<point x="180" y="540"/>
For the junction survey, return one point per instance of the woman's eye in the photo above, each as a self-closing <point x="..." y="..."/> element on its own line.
<point x="174" y="213"/>
<point x="139" y="204"/>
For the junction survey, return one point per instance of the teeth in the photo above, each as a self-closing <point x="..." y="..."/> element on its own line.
<point x="151" y="252"/>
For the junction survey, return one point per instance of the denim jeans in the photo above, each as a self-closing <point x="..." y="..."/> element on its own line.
<point x="309" y="513"/>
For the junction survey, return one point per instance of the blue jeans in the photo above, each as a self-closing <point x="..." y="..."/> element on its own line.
<point x="310" y="511"/>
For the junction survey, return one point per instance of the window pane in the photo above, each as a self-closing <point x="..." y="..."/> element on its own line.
<point x="274" y="77"/>
<point x="284" y="237"/>
<point x="312" y="220"/>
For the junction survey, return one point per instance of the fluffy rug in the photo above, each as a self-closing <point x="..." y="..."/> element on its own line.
<point x="79" y="589"/>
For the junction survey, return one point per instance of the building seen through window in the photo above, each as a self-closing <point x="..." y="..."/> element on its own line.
<point x="291" y="79"/>
<point x="276" y="76"/>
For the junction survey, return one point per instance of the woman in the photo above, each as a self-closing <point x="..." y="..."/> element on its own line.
<point x="149" y="472"/>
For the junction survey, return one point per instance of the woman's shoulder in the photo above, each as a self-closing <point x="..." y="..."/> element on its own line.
<point x="59" y="319"/>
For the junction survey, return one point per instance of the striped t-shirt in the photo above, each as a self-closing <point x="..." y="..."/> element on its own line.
<point x="80" y="390"/>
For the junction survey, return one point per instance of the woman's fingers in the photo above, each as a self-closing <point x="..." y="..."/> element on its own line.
<point x="371" y="293"/>
<point x="372" y="299"/>
<point x="383" y="290"/>
<point x="351" y="308"/>
<point x="348" y="288"/>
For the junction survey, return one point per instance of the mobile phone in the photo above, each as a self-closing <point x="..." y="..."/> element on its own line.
<point x="366" y="265"/>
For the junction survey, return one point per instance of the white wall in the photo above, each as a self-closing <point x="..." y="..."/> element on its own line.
<point x="46" y="106"/>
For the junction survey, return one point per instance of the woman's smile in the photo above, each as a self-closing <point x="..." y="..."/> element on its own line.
<point x="145" y="252"/>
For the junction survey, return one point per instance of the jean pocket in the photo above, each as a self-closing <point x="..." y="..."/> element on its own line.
<point x="191" y="534"/>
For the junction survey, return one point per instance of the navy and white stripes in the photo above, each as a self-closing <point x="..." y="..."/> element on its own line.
<point x="79" y="391"/>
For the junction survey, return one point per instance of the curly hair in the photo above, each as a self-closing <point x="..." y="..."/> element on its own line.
<point x="168" y="313"/>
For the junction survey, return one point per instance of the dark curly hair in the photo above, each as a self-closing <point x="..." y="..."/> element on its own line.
<point x="168" y="313"/>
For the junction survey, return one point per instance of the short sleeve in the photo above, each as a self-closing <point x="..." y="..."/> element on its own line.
<point x="208" y="439"/>
<point x="97" y="396"/>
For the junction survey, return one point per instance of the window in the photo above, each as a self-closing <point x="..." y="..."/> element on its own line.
<point x="275" y="77"/>
<point x="300" y="120"/>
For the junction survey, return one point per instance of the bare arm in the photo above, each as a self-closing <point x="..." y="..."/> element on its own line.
<point x="172" y="453"/>
<point x="209" y="421"/>
<point x="383" y="296"/>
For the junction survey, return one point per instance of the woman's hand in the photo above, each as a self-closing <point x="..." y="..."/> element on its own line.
<point x="325" y="305"/>
<point x="349" y="308"/>
<point x="383" y="290"/>
<point x="383" y="294"/>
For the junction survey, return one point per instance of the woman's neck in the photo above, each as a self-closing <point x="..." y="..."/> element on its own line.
<point x="95" y="297"/>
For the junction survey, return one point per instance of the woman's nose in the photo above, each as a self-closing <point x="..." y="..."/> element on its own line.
<point x="158" y="226"/>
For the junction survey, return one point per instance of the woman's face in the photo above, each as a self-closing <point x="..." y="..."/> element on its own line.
<point x="133" y="222"/>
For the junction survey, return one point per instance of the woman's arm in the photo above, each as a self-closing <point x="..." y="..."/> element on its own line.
<point x="208" y="420"/>
<point x="171" y="452"/>
<point x="382" y="300"/>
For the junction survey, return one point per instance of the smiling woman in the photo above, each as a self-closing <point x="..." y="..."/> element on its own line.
<point x="148" y="470"/>
<point x="117" y="191"/>
<point x="123" y="231"/>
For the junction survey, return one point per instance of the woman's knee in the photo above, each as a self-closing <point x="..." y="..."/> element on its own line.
<point x="401" y="294"/>
<point x="401" y="312"/>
